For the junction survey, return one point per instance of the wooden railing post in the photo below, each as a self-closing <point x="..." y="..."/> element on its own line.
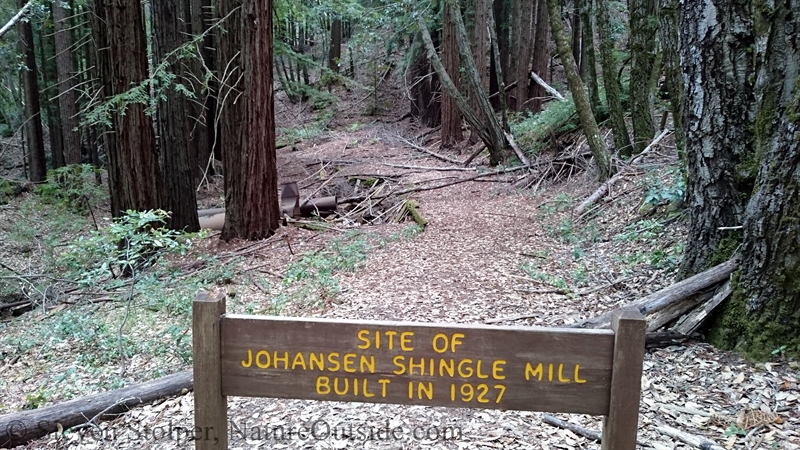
<point x="210" y="406"/>
<point x="621" y="425"/>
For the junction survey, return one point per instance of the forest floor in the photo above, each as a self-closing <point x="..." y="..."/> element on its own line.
<point x="489" y="254"/>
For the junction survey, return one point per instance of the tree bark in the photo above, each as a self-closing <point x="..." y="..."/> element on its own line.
<point x="33" y="116"/>
<point x="591" y="60"/>
<point x="522" y="40"/>
<point x="177" y="163"/>
<point x="133" y="174"/>
<point x="53" y="124"/>
<point x="201" y="126"/>
<point x="425" y="104"/>
<point x="251" y="178"/>
<point x="335" y="50"/>
<point x="588" y="123"/>
<point x="764" y="313"/>
<point x="643" y="42"/>
<point x="621" y="139"/>
<point x="451" y="117"/>
<point x="68" y="97"/>
<point x="497" y="143"/>
<point x="541" y="57"/>
<point x="669" y="38"/>
<point x="717" y="64"/>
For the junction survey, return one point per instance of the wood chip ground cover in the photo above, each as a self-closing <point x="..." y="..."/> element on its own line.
<point x="489" y="254"/>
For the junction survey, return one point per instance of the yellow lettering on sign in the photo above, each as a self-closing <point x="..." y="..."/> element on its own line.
<point x="249" y="359"/>
<point x="333" y="358"/>
<point x="478" y="371"/>
<point x="349" y="360"/>
<point x="346" y="383"/>
<point x="530" y="372"/>
<point x="426" y="389"/>
<point x="298" y="360"/>
<point x="405" y="341"/>
<point x="465" y="373"/>
<point x="362" y="336"/>
<point x="450" y="368"/>
<point x="561" y="378"/>
<point x="383" y="382"/>
<point x="398" y="361"/>
<point x="285" y="359"/>
<point x="323" y="385"/>
<point x="367" y="363"/>
<point x="319" y="361"/>
<point x="265" y="354"/>
<point x="497" y="370"/>
<point x="420" y="365"/>
<point x="578" y="380"/>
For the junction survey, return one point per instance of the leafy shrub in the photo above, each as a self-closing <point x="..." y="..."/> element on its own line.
<point x="72" y="187"/>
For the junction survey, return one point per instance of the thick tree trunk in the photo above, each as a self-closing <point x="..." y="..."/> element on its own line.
<point x="451" y="117"/>
<point x="251" y="177"/>
<point x="68" y="96"/>
<point x="669" y="37"/>
<point x="621" y="139"/>
<point x="53" y="125"/>
<point x="133" y="174"/>
<point x="718" y="67"/>
<point x="588" y="123"/>
<point x="33" y="116"/>
<point x="425" y="104"/>
<point x="522" y="30"/>
<point x="764" y="313"/>
<point x="541" y="57"/>
<point x="643" y="58"/>
<point x="177" y="162"/>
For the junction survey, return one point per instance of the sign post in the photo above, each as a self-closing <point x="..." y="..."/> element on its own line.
<point x="594" y="372"/>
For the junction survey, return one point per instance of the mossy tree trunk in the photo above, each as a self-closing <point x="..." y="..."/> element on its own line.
<point x="717" y="63"/>
<point x="669" y="14"/>
<point x="621" y="139"/>
<point x="591" y="60"/>
<point x="643" y="42"/>
<point x="764" y="315"/>
<point x="588" y="123"/>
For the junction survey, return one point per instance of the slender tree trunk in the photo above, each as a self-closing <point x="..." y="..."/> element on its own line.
<point x="177" y="162"/>
<point x="524" y="11"/>
<point x="588" y="123"/>
<point x="251" y="195"/>
<point x="577" y="34"/>
<point x="51" y="106"/>
<point x="643" y="58"/>
<point x="669" y="37"/>
<point x="501" y="84"/>
<point x="33" y="115"/>
<point x="201" y="124"/>
<point x="133" y="173"/>
<point x="335" y="51"/>
<point x="497" y="143"/>
<point x="591" y="60"/>
<point x="718" y="67"/>
<point x="621" y="139"/>
<point x="541" y="57"/>
<point x="68" y="97"/>
<point x="451" y="117"/>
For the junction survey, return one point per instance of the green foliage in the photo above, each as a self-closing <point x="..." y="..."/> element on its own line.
<point x="735" y="430"/>
<point x="132" y="242"/>
<point x="644" y="229"/>
<point x="72" y="188"/>
<point x="531" y="129"/>
<point x="35" y="399"/>
<point x="669" y="192"/>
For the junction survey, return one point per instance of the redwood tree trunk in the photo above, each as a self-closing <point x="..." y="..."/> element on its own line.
<point x="33" y="117"/>
<point x="133" y="173"/>
<point x="251" y="177"/>
<point x="642" y="41"/>
<point x="717" y="63"/>
<point x="541" y="57"/>
<point x="335" y="51"/>
<point x="522" y="29"/>
<point x="451" y="116"/>
<point x="68" y="97"/>
<point x="177" y="161"/>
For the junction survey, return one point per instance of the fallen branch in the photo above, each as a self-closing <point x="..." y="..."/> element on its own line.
<point x="670" y="294"/>
<point x="517" y="150"/>
<point x="24" y="426"/>
<point x="474" y="154"/>
<point x="13" y="21"/>
<point x="438" y="186"/>
<point x="550" y="90"/>
<point x="432" y="168"/>
<point x="696" y="441"/>
<point x="579" y="430"/>
<point x="430" y="152"/>
<point x="605" y="187"/>
<point x="692" y="321"/>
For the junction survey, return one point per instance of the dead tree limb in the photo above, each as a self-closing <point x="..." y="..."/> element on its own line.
<point x="550" y="89"/>
<point x="671" y="294"/>
<point x="605" y="187"/>
<point x="692" y="321"/>
<point x="430" y="152"/>
<point x="24" y="426"/>
<point x="690" y="439"/>
<point x="517" y="150"/>
<point x="13" y="21"/>
<point x="556" y="422"/>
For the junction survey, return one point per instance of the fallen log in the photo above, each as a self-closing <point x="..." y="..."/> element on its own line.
<point x="675" y="310"/>
<point x="687" y="438"/>
<point x="24" y="426"/>
<point x="670" y="294"/>
<point x="579" y="430"/>
<point x="692" y="321"/>
<point x="605" y="187"/>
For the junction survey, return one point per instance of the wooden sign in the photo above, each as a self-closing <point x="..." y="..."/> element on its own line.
<point x="522" y="368"/>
